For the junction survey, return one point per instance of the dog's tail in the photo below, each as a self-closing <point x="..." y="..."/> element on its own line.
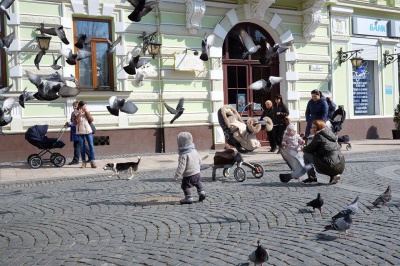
<point x="138" y="159"/>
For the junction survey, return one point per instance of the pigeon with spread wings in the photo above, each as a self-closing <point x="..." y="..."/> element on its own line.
<point x="83" y="39"/>
<point x="71" y="58"/>
<point x="142" y="8"/>
<point x="6" y="42"/>
<point x="262" y="84"/>
<point x="5" y="110"/>
<point x="54" y="32"/>
<point x="4" y="90"/>
<point x="275" y="50"/>
<point x="122" y="105"/>
<point x="4" y="4"/>
<point x="295" y="163"/>
<point x="176" y="112"/>
<point x="113" y="45"/>
<point x="248" y="43"/>
<point x="134" y="64"/>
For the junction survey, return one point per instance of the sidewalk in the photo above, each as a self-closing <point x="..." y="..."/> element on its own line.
<point x="20" y="171"/>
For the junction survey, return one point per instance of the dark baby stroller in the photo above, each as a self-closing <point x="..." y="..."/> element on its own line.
<point x="337" y="123"/>
<point x="36" y="135"/>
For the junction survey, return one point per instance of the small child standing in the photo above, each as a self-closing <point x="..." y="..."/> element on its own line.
<point x="292" y="140"/>
<point x="189" y="168"/>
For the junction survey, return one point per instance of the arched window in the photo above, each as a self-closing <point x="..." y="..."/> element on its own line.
<point x="239" y="73"/>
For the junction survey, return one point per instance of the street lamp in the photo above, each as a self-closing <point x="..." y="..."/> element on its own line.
<point x="150" y="44"/>
<point x="344" y="56"/>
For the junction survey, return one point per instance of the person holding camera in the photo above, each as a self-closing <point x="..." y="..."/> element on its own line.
<point x="82" y="118"/>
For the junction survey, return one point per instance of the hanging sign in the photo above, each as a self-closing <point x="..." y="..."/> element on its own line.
<point x="188" y="62"/>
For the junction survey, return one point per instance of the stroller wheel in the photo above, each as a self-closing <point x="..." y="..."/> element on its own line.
<point x="35" y="161"/>
<point x="226" y="172"/>
<point x="258" y="171"/>
<point x="239" y="174"/>
<point x="30" y="156"/>
<point x="58" y="160"/>
<point x="348" y="147"/>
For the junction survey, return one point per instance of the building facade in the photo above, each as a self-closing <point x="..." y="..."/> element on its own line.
<point x="318" y="29"/>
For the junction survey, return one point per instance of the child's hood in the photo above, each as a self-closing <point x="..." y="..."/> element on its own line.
<point x="184" y="138"/>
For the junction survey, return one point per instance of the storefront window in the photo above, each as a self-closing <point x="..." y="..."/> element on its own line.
<point x="364" y="89"/>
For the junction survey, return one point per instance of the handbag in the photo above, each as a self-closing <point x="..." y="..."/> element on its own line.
<point x="93" y="128"/>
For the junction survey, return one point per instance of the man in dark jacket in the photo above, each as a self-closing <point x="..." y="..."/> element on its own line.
<point x="268" y="112"/>
<point x="317" y="108"/>
<point x="324" y="153"/>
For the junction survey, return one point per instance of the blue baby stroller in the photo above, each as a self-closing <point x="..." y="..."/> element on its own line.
<point x="337" y="124"/>
<point x="36" y="135"/>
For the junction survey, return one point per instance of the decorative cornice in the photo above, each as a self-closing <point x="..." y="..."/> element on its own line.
<point x="195" y="10"/>
<point x="48" y="21"/>
<point x="258" y="7"/>
<point x="311" y="21"/>
<point x="312" y="17"/>
<point x="341" y="38"/>
<point x="314" y="4"/>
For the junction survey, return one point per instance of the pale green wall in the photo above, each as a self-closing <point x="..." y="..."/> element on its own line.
<point x="46" y="109"/>
<point x="40" y="8"/>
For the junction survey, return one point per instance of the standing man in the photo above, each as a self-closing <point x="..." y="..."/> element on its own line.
<point x="268" y="112"/>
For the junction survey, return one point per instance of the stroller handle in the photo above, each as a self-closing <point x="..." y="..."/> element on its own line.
<point x="61" y="132"/>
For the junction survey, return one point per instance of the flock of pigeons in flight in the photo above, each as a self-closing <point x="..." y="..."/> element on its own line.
<point x="53" y="86"/>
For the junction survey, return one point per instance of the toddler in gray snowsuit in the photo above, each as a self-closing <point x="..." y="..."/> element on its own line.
<point x="189" y="168"/>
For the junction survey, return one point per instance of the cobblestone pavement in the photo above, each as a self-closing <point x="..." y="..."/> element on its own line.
<point x="107" y="221"/>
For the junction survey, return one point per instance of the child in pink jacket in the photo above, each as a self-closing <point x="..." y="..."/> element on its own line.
<point x="292" y="140"/>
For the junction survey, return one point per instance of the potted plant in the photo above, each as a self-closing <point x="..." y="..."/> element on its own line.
<point x="396" y="120"/>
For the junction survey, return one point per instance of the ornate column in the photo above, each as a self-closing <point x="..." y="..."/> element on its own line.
<point x="258" y="7"/>
<point x="312" y="17"/>
<point x="195" y="10"/>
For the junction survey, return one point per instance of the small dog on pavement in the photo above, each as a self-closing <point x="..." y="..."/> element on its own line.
<point x="132" y="167"/>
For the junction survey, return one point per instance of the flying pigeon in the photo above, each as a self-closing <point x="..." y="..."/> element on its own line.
<point x="263" y="51"/>
<point x="6" y="42"/>
<point x="54" y="32"/>
<point x="316" y="203"/>
<point x="55" y="60"/>
<point x="4" y="4"/>
<point x="83" y="39"/>
<point x="72" y="58"/>
<point x="278" y="48"/>
<point x="122" y="105"/>
<point x="260" y="255"/>
<point x="38" y="58"/>
<point x="206" y="43"/>
<point x="248" y="42"/>
<point x="353" y="207"/>
<point x="135" y="62"/>
<point x="342" y="224"/>
<point x="46" y="91"/>
<point x="295" y="163"/>
<point x="5" y="110"/>
<point x="142" y="8"/>
<point x="384" y="198"/>
<point x="67" y="91"/>
<point x="26" y="96"/>
<point x="4" y="90"/>
<point x="266" y="85"/>
<point x="141" y="74"/>
<point x="113" y="45"/>
<point x="178" y="111"/>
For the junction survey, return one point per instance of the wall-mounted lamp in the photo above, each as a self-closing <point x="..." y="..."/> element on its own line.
<point x="195" y="52"/>
<point x="390" y="58"/>
<point x="150" y="44"/>
<point x="43" y="41"/>
<point x="344" y="56"/>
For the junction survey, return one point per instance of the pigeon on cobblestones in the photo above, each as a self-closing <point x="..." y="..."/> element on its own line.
<point x="353" y="207"/>
<point x="316" y="203"/>
<point x="296" y="164"/>
<point x="260" y="255"/>
<point x="384" y="198"/>
<point x="342" y="224"/>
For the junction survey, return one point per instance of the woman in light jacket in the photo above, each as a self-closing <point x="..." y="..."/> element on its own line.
<point x="82" y="118"/>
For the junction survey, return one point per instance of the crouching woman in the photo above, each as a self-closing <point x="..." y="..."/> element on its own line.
<point x="324" y="153"/>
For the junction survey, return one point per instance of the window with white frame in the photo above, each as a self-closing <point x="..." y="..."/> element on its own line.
<point x="95" y="72"/>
